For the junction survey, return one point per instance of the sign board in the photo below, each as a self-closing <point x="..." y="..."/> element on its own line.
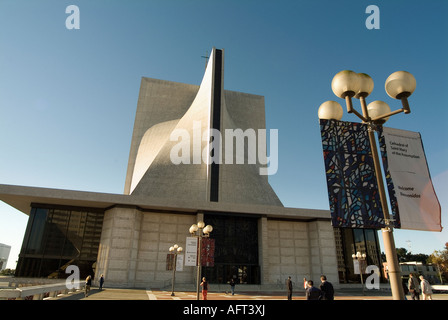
<point x="180" y="262"/>
<point x="191" y="251"/>
<point x="356" y="267"/>
<point x="404" y="159"/>
<point x="359" y="266"/>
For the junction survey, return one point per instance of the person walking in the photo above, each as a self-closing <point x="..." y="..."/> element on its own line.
<point x="88" y="284"/>
<point x="101" y="282"/>
<point x="204" y="285"/>
<point x="232" y="286"/>
<point x="326" y="288"/>
<point x="312" y="293"/>
<point x="405" y="289"/>
<point x="426" y="288"/>
<point x="289" y="288"/>
<point x="414" y="287"/>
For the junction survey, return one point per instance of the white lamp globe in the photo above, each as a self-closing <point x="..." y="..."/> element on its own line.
<point x="400" y="82"/>
<point x="193" y="228"/>
<point x="378" y="108"/>
<point x="208" y="229"/>
<point x="365" y="85"/>
<point x="345" y="81"/>
<point x="330" y="110"/>
<point x="201" y="224"/>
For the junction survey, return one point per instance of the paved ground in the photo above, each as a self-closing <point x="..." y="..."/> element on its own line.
<point x="157" y="294"/>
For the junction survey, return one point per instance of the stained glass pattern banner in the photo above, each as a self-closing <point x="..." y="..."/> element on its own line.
<point x="352" y="187"/>
<point x="208" y="252"/>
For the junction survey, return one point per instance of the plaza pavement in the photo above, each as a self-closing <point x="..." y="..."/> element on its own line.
<point x="159" y="294"/>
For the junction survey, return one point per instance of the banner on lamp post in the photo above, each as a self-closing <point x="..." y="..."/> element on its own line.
<point x="409" y="181"/>
<point x="208" y="252"/>
<point x="180" y="262"/>
<point x="350" y="171"/>
<point x="191" y="251"/>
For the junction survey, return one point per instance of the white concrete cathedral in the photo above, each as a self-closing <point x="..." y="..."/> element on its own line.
<point x="258" y="241"/>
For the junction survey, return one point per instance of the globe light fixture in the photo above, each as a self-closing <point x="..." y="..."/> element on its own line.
<point x="193" y="228"/>
<point x="208" y="229"/>
<point x="400" y="85"/>
<point x="330" y="110"/>
<point x="361" y="258"/>
<point x="200" y="231"/>
<point x="365" y="85"/>
<point x="201" y="224"/>
<point x="377" y="109"/>
<point x="175" y="249"/>
<point x="347" y="84"/>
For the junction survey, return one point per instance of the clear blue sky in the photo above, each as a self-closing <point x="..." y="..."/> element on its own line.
<point x="68" y="97"/>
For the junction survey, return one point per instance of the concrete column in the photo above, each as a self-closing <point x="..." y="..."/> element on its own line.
<point x="263" y="249"/>
<point x="323" y="252"/>
<point x="200" y="217"/>
<point x="119" y="244"/>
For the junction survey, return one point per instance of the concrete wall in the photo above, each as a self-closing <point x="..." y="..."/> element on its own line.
<point x="298" y="249"/>
<point x="134" y="246"/>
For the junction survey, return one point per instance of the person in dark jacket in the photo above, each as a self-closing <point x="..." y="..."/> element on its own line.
<point x="289" y="288"/>
<point x="232" y="286"/>
<point x="326" y="288"/>
<point x="414" y="287"/>
<point x="312" y="293"/>
<point x="101" y="282"/>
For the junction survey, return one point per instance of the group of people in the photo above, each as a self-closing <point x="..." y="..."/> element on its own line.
<point x="89" y="284"/>
<point x="415" y="288"/>
<point x="324" y="292"/>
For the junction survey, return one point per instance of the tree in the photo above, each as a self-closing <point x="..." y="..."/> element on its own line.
<point x="440" y="259"/>
<point x="7" y="272"/>
<point x="402" y="254"/>
<point x="405" y="256"/>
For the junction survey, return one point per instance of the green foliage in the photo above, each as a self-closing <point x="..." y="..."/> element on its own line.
<point x="405" y="256"/>
<point x="440" y="259"/>
<point x="7" y="272"/>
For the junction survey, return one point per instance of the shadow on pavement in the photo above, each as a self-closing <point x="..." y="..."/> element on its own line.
<point x="81" y="295"/>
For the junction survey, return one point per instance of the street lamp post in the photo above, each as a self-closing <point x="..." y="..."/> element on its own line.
<point x="361" y="258"/>
<point x="399" y="85"/>
<point x="174" y="250"/>
<point x="200" y="231"/>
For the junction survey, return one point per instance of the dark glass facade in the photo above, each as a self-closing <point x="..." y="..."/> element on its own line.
<point x="236" y="249"/>
<point x="57" y="237"/>
<point x="348" y="242"/>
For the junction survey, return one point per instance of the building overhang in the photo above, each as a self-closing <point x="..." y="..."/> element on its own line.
<point x="21" y="198"/>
